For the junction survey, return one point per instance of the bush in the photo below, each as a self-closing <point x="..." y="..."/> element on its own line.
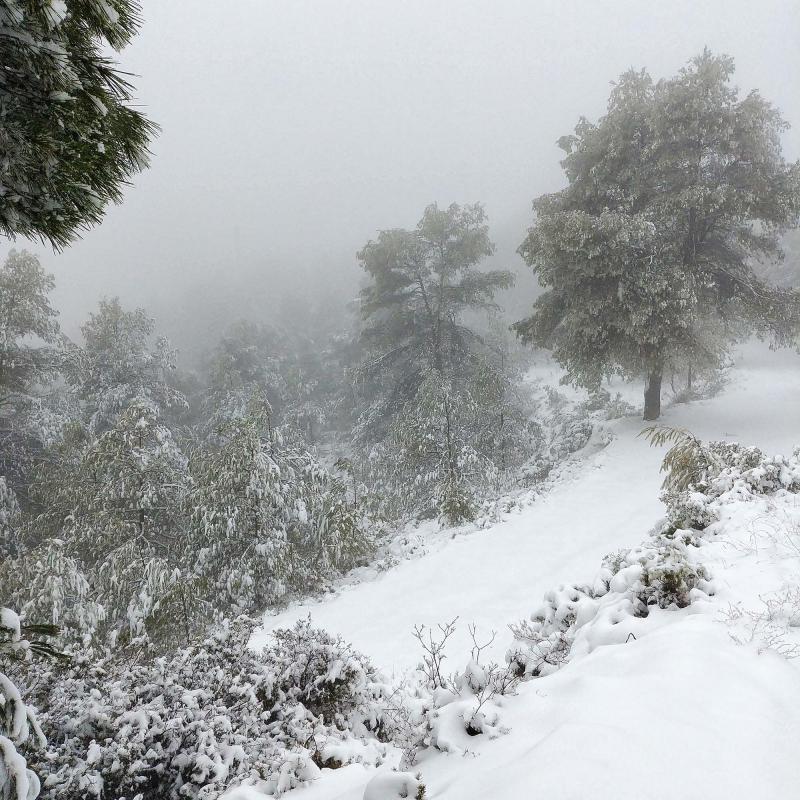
<point x="702" y="475"/>
<point x="209" y="717"/>
<point x="324" y="674"/>
<point x="662" y="572"/>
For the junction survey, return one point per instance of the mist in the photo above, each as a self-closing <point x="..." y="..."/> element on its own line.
<point x="376" y="446"/>
<point x="292" y="132"/>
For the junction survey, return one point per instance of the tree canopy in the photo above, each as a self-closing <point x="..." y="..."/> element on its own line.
<point x="422" y="282"/>
<point x="70" y="138"/>
<point x="647" y="255"/>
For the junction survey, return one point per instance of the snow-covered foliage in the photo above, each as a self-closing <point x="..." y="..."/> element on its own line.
<point x="429" y="463"/>
<point x="18" y="723"/>
<point x="267" y="518"/>
<point x="295" y="372"/>
<point x="134" y="540"/>
<point x="70" y="137"/>
<point x="438" y="417"/>
<point x="578" y="618"/>
<point x="702" y="478"/>
<point x="700" y="475"/>
<point x="25" y="315"/>
<point x="109" y="536"/>
<point x="449" y="447"/>
<point x="210" y="716"/>
<point x="9" y="518"/>
<point x="561" y="426"/>
<point x="641" y="281"/>
<point x="118" y="364"/>
<point x="28" y="331"/>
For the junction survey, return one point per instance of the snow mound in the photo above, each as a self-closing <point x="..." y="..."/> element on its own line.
<point x="394" y="786"/>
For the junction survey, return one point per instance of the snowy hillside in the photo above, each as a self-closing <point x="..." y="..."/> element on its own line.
<point x="691" y="702"/>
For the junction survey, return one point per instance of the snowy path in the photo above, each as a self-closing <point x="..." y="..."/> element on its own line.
<point x="498" y="575"/>
<point x="680" y="711"/>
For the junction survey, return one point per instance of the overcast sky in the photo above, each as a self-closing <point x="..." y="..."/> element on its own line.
<point x="292" y="130"/>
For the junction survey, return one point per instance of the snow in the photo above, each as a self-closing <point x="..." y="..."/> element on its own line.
<point x="9" y="621"/>
<point x="391" y="785"/>
<point x="495" y="576"/>
<point x="695" y="702"/>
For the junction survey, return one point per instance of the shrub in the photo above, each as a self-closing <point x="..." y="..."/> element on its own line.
<point x="209" y="717"/>
<point x="700" y="475"/>
<point x="662" y="572"/>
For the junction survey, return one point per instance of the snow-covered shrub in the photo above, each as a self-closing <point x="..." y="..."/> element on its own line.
<point x="18" y="724"/>
<point x="661" y="573"/>
<point x="543" y="642"/>
<point x="700" y="475"/>
<point x="325" y="675"/>
<point x="577" y="618"/>
<point x="267" y="517"/>
<point x="208" y="717"/>
<point x="435" y="708"/>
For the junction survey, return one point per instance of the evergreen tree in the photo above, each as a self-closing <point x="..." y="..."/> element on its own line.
<point x="431" y="447"/>
<point x="296" y="373"/>
<point x="28" y="329"/>
<point x="26" y="321"/>
<point x="672" y="195"/>
<point x="9" y="520"/>
<point x="118" y="364"/>
<point x="267" y="517"/>
<point x="70" y="139"/>
<point x="245" y="362"/>
<point x="448" y="446"/>
<point x="422" y="283"/>
<point x="112" y="532"/>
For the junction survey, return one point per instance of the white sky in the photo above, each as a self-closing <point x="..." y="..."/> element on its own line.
<point x="294" y="129"/>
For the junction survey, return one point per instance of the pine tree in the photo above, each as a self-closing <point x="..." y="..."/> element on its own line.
<point x="431" y="447"/>
<point x="294" y="372"/>
<point x="112" y="533"/>
<point x="70" y="138"/>
<point x="28" y="329"/>
<point x="672" y="196"/>
<point x="422" y="283"/>
<point x="267" y="517"/>
<point x="25" y="315"/>
<point x="245" y="362"/>
<point x="9" y="520"/>
<point x="119" y="363"/>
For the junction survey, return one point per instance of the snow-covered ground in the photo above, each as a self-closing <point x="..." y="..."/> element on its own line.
<point x="494" y="576"/>
<point x="683" y="711"/>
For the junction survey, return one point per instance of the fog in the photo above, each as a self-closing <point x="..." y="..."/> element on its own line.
<point x="293" y="131"/>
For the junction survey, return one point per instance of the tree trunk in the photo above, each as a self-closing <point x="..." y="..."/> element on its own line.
<point x="652" y="393"/>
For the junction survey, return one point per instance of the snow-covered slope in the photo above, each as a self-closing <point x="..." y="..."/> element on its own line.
<point x="494" y="576"/>
<point x="681" y="711"/>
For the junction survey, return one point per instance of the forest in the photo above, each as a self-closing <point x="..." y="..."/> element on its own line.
<point x="155" y="507"/>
